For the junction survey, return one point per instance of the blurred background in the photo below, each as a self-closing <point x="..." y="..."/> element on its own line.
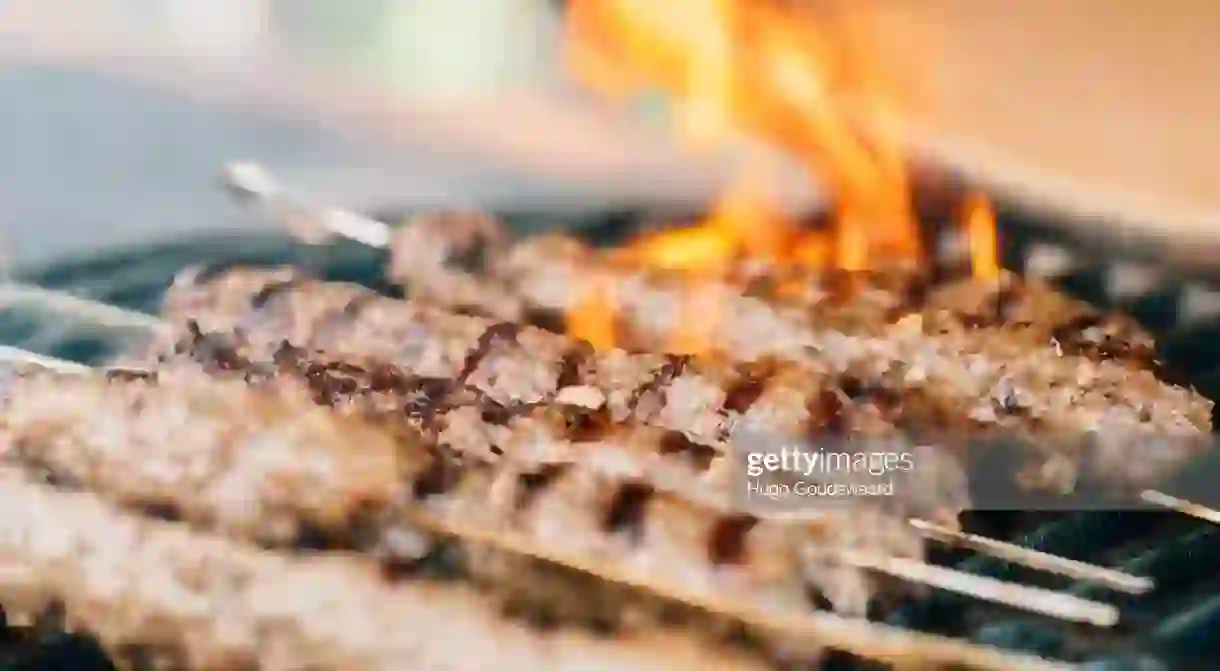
<point x="96" y="155"/>
<point x="119" y="114"/>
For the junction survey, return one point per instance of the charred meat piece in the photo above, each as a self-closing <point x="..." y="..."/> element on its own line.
<point x="1071" y="409"/>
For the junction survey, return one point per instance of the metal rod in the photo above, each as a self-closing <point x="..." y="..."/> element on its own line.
<point x="1036" y="559"/>
<point x="1181" y="505"/>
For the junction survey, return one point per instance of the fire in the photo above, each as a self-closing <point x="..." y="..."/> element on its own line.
<point x="980" y="231"/>
<point x="593" y="318"/>
<point x="802" y="81"/>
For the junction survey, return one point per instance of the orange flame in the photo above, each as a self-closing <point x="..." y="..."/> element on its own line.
<point x="806" y="84"/>
<point x="592" y="318"/>
<point x="980" y="227"/>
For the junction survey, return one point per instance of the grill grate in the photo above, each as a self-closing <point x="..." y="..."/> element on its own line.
<point x="1177" y="626"/>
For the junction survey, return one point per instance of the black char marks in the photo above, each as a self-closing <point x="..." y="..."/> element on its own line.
<point x="273" y="289"/>
<point x="331" y="382"/>
<point x="571" y="369"/>
<point x="1074" y="340"/>
<point x="674" y="366"/>
<point x="530" y="485"/>
<point x="676" y="442"/>
<point x="212" y="349"/>
<point x="502" y="332"/>
<point x="288" y="357"/>
<point x="628" y="508"/>
<point x="441" y="475"/>
<point x="130" y="375"/>
<point x="727" y="539"/>
<point x="827" y="411"/>
<point x="589" y="426"/>
<point x="550" y="320"/>
<point x="751" y="383"/>
<point x="501" y="414"/>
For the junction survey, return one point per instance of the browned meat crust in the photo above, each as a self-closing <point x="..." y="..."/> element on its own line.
<point x="266" y="464"/>
<point x="1070" y="409"/>
<point x="158" y="593"/>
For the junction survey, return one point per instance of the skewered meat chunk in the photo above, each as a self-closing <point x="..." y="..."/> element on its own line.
<point x="286" y="470"/>
<point x="158" y="593"/>
<point x="574" y="426"/>
<point x="437" y="253"/>
<point x="162" y="595"/>
<point x="272" y="466"/>
<point x="1079" y="416"/>
<point x="552" y="275"/>
<point x="543" y="279"/>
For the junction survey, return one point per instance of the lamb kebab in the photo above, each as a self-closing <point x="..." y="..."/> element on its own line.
<point x="1081" y="417"/>
<point x="160" y="595"/>
<point x="268" y="465"/>
<point x="464" y="261"/>
<point x="471" y="426"/>
<point x="757" y="576"/>
<point x="553" y="275"/>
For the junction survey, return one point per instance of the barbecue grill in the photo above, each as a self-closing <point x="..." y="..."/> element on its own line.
<point x="1177" y="626"/>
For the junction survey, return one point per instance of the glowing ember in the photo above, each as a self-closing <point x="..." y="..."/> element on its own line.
<point x="801" y="81"/>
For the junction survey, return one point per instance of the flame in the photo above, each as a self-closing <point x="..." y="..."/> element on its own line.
<point x="592" y="318"/>
<point x="980" y="229"/>
<point x="807" y="83"/>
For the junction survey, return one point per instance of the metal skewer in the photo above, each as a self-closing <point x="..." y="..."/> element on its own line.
<point x="1042" y="561"/>
<point x="251" y="184"/>
<point x="1181" y="505"/>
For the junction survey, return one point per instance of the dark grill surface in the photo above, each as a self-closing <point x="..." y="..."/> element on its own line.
<point x="1175" y="627"/>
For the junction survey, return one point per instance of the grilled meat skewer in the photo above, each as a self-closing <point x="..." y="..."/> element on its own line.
<point x="613" y="524"/>
<point x="1081" y="418"/>
<point x="465" y="261"/>
<point x="263" y="463"/>
<point x="553" y="275"/>
<point x="465" y="423"/>
<point x="545" y="278"/>
<point x="575" y="426"/>
<point x="159" y="595"/>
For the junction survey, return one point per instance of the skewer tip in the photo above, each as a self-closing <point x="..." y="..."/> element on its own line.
<point x="1037" y="560"/>
<point x="247" y="179"/>
<point x="1181" y="505"/>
